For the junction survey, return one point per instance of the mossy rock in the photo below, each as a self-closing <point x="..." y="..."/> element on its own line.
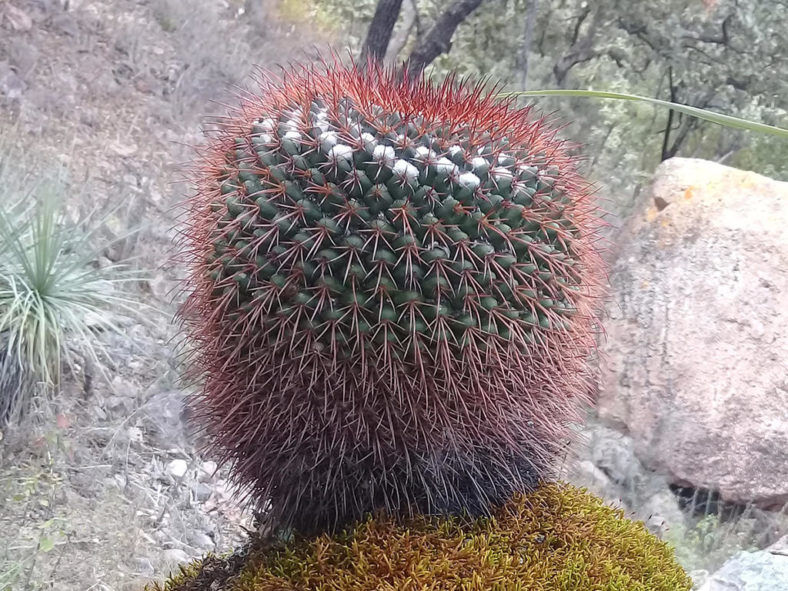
<point x="555" y="538"/>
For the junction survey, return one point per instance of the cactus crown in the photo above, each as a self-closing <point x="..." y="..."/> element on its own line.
<point x="391" y="292"/>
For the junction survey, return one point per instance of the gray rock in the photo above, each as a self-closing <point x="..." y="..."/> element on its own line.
<point x="177" y="468"/>
<point x="201" y="540"/>
<point x="587" y="475"/>
<point x="141" y="566"/>
<point x="750" y="571"/>
<point x="19" y="20"/>
<point x="605" y="463"/>
<point x="118" y="404"/>
<point x="661" y="512"/>
<point x="65" y="23"/>
<point x="163" y="419"/>
<point x="780" y="547"/>
<point x="202" y="492"/>
<point x="22" y="55"/>
<point x="175" y="556"/>
<point x="11" y="85"/>
<point x="698" y="576"/>
<point x="207" y="471"/>
<point x="696" y="350"/>
<point x="612" y="452"/>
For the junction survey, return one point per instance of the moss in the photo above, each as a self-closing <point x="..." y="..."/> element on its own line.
<point x="555" y="538"/>
<point x="209" y="573"/>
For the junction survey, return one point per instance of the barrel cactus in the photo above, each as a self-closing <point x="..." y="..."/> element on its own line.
<point x="392" y="296"/>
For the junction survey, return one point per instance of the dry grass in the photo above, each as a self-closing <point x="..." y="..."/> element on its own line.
<point x="718" y="530"/>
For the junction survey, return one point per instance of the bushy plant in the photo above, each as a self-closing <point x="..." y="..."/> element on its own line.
<point x="54" y="296"/>
<point x="392" y="296"/>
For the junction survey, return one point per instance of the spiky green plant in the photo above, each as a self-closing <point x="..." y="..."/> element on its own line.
<point x="392" y="295"/>
<point x="53" y="296"/>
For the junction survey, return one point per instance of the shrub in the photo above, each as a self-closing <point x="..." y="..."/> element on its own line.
<point x="54" y="296"/>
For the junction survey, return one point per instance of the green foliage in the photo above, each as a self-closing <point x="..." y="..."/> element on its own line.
<point x="701" y="54"/>
<point x="53" y="294"/>
<point x="709" y="542"/>
<point x="553" y="539"/>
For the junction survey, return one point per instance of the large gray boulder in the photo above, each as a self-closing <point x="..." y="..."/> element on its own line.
<point x="696" y="368"/>
<point x="766" y="570"/>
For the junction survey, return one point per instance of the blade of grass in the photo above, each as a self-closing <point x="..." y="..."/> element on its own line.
<point x="718" y="118"/>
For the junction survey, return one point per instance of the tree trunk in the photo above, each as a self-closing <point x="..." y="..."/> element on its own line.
<point x="380" y="29"/>
<point x="400" y="38"/>
<point x="438" y="39"/>
<point x="528" y="35"/>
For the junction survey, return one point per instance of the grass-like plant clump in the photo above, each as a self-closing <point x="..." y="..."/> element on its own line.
<point x="555" y="538"/>
<point x="54" y="294"/>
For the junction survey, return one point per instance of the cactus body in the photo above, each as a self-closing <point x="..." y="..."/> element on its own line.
<point x="391" y="295"/>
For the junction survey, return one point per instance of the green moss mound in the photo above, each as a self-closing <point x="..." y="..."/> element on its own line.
<point x="555" y="538"/>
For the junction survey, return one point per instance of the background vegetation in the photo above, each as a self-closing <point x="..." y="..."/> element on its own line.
<point x="723" y="55"/>
<point x="116" y="90"/>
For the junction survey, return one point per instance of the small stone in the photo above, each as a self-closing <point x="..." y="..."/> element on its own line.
<point x="123" y="149"/>
<point x="117" y="403"/>
<point x="135" y="434"/>
<point x="130" y="181"/>
<point x="207" y="471"/>
<point x="661" y="512"/>
<point x="103" y="262"/>
<point x="11" y="85"/>
<point x="65" y="23"/>
<point x="202" y="540"/>
<point x="175" y="555"/>
<point x="23" y="56"/>
<point x="699" y="576"/>
<point x="586" y="474"/>
<point x="177" y="468"/>
<point x="779" y="547"/>
<point x="613" y="453"/>
<point x="202" y="492"/>
<point x="142" y="566"/>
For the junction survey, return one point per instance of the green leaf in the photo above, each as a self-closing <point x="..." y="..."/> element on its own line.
<point x="46" y="544"/>
<point x="719" y="118"/>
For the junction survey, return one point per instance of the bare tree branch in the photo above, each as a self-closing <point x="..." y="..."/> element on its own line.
<point x="685" y="124"/>
<point x="528" y="35"/>
<point x="723" y="38"/>
<point x="380" y="29"/>
<point x="582" y="48"/>
<point x="410" y="17"/>
<point x="438" y="39"/>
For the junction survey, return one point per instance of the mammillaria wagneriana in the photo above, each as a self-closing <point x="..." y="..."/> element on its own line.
<point x="392" y="295"/>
